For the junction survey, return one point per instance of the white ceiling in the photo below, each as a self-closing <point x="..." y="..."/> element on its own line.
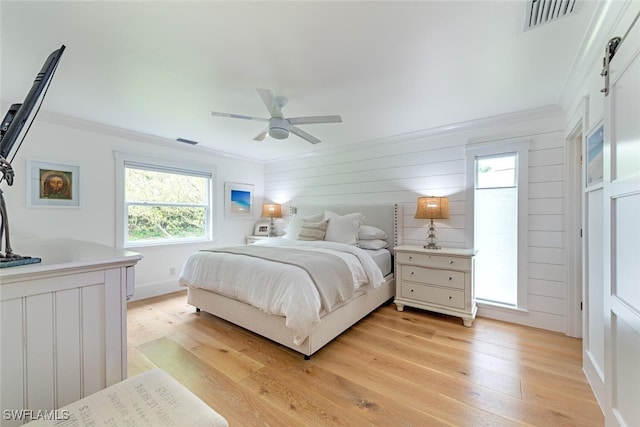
<point x="389" y="68"/>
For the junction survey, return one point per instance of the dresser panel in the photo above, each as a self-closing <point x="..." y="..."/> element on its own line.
<point x="451" y="279"/>
<point x="436" y="280"/>
<point x="436" y="261"/>
<point x="63" y="325"/>
<point x="433" y="294"/>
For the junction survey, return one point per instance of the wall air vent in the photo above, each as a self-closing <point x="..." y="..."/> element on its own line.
<point x="540" y="12"/>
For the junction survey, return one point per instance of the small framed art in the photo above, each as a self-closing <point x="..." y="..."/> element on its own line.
<point x="262" y="229"/>
<point x="594" y="148"/>
<point x="238" y="200"/>
<point x="53" y="185"/>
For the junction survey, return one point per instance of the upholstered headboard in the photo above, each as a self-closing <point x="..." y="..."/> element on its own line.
<point x="385" y="217"/>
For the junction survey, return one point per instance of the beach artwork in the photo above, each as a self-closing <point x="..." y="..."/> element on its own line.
<point x="595" y="143"/>
<point x="238" y="200"/>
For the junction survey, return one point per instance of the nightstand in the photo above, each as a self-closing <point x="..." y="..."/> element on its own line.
<point x="252" y="239"/>
<point x="436" y="280"/>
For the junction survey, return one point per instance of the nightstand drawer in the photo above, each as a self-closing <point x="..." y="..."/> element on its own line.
<point x="448" y="278"/>
<point x="433" y="294"/>
<point x="436" y="261"/>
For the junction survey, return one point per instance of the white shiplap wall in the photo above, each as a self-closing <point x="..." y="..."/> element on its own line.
<point x="398" y="170"/>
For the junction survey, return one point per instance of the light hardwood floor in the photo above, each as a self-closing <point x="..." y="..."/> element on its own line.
<point x="411" y="368"/>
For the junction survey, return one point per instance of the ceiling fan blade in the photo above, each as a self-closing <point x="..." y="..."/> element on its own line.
<point x="302" y="134"/>
<point x="238" y="116"/>
<point x="314" y="119"/>
<point x="271" y="102"/>
<point x="262" y="135"/>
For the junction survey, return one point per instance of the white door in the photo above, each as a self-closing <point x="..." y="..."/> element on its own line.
<point x="621" y="233"/>
<point x="592" y="251"/>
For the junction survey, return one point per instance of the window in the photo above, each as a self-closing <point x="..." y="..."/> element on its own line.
<point x="162" y="203"/>
<point x="498" y="222"/>
<point x="496" y="229"/>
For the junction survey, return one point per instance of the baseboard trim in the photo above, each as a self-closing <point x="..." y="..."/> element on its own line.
<point x="155" y="289"/>
<point x="595" y="378"/>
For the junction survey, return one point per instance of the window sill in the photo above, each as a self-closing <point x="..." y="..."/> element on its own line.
<point x="139" y="245"/>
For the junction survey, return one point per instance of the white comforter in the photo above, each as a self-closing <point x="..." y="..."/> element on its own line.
<point x="276" y="288"/>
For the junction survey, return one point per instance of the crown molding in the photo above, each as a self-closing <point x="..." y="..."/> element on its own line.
<point x="453" y="128"/>
<point x="475" y="124"/>
<point x="87" y="125"/>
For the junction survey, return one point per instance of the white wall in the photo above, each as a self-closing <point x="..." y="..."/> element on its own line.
<point x="433" y="163"/>
<point x="91" y="147"/>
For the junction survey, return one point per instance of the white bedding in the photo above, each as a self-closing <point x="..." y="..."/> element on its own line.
<point x="275" y="288"/>
<point x="382" y="258"/>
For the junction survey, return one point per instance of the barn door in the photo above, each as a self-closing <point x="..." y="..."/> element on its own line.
<point x="621" y="219"/>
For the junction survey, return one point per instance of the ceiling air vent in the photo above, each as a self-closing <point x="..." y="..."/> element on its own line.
<point x="187" y="141"/>
<point x="540" y="12"/>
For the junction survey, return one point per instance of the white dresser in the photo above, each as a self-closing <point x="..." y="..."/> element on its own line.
<point x="436" y="280"/>
<point x="63" y="323"/>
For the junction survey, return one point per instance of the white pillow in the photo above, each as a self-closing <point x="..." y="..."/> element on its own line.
<point x="313" y="230"/>
<point x="293" y="229"/>
<point x="373" y="244"/>
<point x="343" y="228"/>
<point x="369" y="232"/>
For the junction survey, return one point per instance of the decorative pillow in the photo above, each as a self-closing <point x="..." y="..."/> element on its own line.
<point x="313" y="230"/>
<point x="369" y="232"/>
<point x="343" y="228"/>
<point x="373" y="244"/>
<point x="293" y="229"/>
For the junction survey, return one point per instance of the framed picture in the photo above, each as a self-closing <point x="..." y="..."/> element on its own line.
<point x="262" y="229"/>
<point x="594" y="147"/>
<point x="53" y="185"/>
<point x="238" y="200"/>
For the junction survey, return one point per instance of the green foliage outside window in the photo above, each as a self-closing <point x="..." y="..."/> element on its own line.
<point x="160" y="222"/>
<point x="165" y="206"/>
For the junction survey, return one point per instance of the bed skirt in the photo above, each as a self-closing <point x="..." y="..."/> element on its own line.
<point x="273" y="327"/>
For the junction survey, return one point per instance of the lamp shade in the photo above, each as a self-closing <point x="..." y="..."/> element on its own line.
<point x="432" y="208"/>
<point x="271" y="210"/>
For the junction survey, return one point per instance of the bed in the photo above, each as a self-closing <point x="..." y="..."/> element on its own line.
<point x="338" y="310"/>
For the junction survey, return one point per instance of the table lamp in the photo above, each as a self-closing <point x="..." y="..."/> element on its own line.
<point x="272" y="210"/>
<point x="432" y="208"/>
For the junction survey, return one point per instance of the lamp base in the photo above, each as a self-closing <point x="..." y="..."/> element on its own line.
<point x="272" y="229"/>
<point x="432" y="240"/>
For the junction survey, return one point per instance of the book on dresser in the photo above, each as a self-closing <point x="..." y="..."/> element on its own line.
<point x="436" y="280"/>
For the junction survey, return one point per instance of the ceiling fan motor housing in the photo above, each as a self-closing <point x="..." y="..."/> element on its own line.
<point x="278" y="128"/>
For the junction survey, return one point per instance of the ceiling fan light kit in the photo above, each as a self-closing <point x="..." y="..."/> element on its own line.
<point x="280" y="126"/>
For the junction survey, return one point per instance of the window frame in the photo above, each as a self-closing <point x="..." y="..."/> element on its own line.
<point x="125" y="160"/>
<point x="521" y="149"/>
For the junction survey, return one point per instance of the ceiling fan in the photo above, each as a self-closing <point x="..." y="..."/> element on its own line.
<point x="280" y="126"/>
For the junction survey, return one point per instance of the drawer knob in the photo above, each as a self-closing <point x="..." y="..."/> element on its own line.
<point x="450" y="262"/>
<point x="412" y="273"/>
<point x="410" y="257"/>
<point x="411" y="290"/>
<point x="450" y="297"/>
<point x="450" y="278"/>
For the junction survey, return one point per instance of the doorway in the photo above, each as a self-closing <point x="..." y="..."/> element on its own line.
<point x="574" y="232"/>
